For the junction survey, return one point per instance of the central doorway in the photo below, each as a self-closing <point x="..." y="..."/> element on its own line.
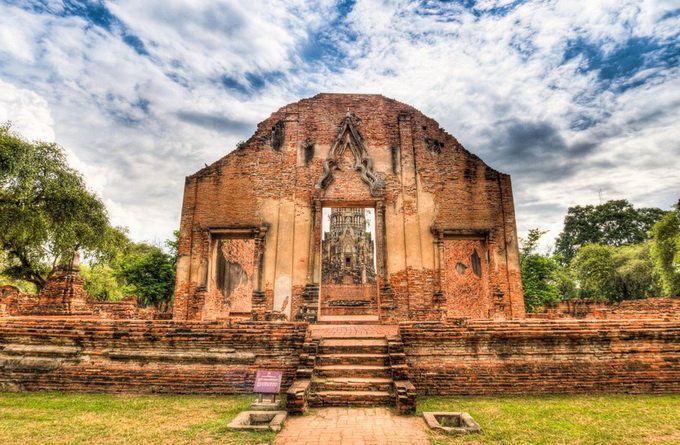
<point x="349" y="289"/>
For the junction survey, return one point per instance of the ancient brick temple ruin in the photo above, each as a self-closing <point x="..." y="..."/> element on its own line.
<point x="354" y="245"/>
<point x="442" y="240"/>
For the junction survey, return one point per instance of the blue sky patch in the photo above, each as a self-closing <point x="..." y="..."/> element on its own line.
<point x="616" y="67"/>
<point x="252" y="82"/>
<point x="94" y="12"/>
<point x="233" y="84"/>
<point x="444" y="8"/>
<point x="325" y="45"/>
<point x="135" y="43"/>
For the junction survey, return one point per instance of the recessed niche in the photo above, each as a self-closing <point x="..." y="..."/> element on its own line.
<point x="451" y="423"/>
<point x="258" y="420"/>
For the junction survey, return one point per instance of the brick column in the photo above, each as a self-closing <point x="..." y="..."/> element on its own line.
<point x="380" y="212"/>
<point x="259" y="306"/>
<point x="311" y="263"/>
<point x="439" y="296"/>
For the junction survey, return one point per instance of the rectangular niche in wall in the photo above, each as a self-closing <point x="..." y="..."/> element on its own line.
<point x="348" y="261"/>
<point x="466" y="278"/>
<point x="234" y="273"/>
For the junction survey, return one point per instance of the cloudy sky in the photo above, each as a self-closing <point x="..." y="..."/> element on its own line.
<point x="578" y="100"/>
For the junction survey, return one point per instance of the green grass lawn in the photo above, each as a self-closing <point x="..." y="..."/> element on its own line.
<point x="63" y="418"/>
<point x="603" y="419"/>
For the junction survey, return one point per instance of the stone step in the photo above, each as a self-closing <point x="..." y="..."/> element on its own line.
<point x="353" y="346"/>
<point x="353" y="371"/>
<point x="353" y="359"/>
<point x="350" y="398"/>
<point x="400" y="372"/>
<point x="349" y="319"/>
<point x="352" y="384"/>
<point x="330" y="312"/>
<point x="356" y="338"/>
<point x="303" y="373"/>
<point x="398" y="356"/>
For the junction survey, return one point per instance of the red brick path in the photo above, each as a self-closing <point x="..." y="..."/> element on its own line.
<point x="353" y="426"/>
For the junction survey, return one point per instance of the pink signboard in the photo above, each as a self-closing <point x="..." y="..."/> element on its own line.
<point x="267" y="382"/>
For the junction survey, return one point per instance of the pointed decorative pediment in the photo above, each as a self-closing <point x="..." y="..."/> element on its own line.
<point x="349" y="139"/>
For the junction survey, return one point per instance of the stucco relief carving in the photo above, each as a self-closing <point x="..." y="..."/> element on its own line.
<point x="350" y="138"/>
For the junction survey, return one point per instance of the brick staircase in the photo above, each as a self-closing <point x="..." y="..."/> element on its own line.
<point x="310" y="304"/>
<point x="352" y="371"/>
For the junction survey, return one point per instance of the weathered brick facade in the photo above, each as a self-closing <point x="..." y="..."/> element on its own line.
<point x="431" y="197"/>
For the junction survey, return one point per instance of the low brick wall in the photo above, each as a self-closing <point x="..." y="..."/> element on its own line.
<point x="543" y="356"/>
<point x="456" y="357"/>
<point x="660" y="307"/>
<point x="30" y="305"/>
<point x="138" y="356"/>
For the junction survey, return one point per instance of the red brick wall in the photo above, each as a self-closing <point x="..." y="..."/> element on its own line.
<point x="67" y="297"/>
<point x="465" y="357"/>
<point x="659" y="308"/>
<point x="337" y="292"/>
<point x="144" y="356"/>
<point x="413" y="291"/>
<point x="648" y="308"/>
<point x="467" y="295"/>
<point x="217" y="305"/>
<point x="243" y="253"/>
<point x="536" y="356"/>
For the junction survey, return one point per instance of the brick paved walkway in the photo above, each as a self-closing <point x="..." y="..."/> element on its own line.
<point x="352" y="426"/>
<point x="353" y="330"/>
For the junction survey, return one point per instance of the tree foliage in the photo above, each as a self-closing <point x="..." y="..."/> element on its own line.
<point x="543" y="279"/>
<point x="46" y="212"/>
<point x="597" y="272"/>
<point x="635" y="272"/>
<point x="149" y="273"/>
<point x="666" y="251"/>
<point x="614" y="223"/>
<point x="528" y="245"/>
<point x="102" y="282"/>
<point x="22" y="285"/>
<point x="130" y="268"/>
<point x="615" y="273"/>
<point x="594" y="268"/>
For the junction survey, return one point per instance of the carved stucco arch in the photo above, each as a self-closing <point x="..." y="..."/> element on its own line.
<point x="349" y="137"/>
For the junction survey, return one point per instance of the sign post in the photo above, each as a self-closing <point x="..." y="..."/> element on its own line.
<point x="267" y="386"/>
